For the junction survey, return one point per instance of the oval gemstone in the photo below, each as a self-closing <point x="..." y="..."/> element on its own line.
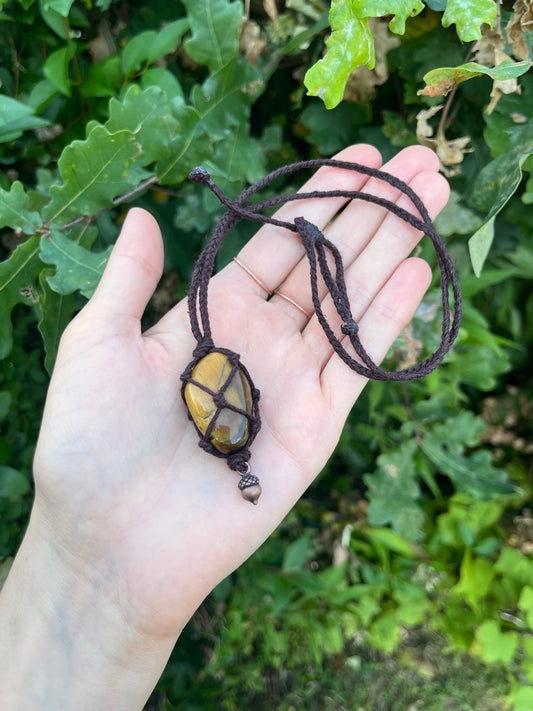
<point x="231" y="429"/>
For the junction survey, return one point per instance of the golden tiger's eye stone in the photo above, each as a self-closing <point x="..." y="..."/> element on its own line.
<point x="231" y="429"/>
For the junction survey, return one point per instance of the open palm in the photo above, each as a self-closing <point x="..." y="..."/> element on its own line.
<point x="121" y="481"/>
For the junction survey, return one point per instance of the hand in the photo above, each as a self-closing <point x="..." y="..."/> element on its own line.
<point x="122" y="489"/>
<point x="118" y="469"/>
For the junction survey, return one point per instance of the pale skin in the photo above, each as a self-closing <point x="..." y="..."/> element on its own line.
<point x="133" y="524"/>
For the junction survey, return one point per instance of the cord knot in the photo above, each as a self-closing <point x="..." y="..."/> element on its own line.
<point x="199" y="175"/>
<point x="350" y="327"/>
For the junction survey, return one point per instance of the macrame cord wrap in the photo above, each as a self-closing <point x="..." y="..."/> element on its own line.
<point x="316" y="246"/>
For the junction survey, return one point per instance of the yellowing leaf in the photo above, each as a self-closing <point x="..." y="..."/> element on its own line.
<point x="440" y="82"/>
<point x="350" y="45"/>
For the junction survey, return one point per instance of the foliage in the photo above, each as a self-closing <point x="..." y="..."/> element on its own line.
<point x="420" y="519"/>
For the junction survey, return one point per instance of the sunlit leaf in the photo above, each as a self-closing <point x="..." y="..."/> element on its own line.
<point x="475" y="577"/>
<point x="468" y="16"/>
<point x="350" y="45"/>
<point x="493" y="645"/>
<point x="399" y="9"/>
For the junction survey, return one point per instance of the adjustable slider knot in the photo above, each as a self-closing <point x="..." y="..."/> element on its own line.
<point x="350" y="327"/>
<point x="308" y="231"/>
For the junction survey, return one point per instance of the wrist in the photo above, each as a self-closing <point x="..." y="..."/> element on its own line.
<point x="64" y="640"/>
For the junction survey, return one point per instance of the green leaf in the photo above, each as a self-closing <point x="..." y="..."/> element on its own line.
<point x="14" y="211"/>
<point x="147" y="115"/>
<point x="17" y="276"/>
<point x="167" y="39"/>
<point x="76" y="267"/>
<point x="5" y="404"/>
<point x="188" y="148"/>
<point x="239" y="156"/>
<point x="393" y="491"/>
<point x="525" y="603"/>
<point x="385" y="633"/>
<point x="136" y="52"/>
<point x="103" y="78"/>
<point x="13" y="484"/>
<point x="390" y="540"/>
<point x="475" y="578"/>
<point x="223" y="100"/>
<point x="56" y="68"/>
<point x="401" y="10"/>
<point x="515" y="567"/>
<point x="147" y="47"/>
<point x="440" y="82"/>
<point x="494" y="186"/>
<point x="15" y="118"/>
<point x="57" y="311"/>
<point x="164" y="79"/>
<point x="333" y="129"/>
<point x="62" y="7"/>
<point x="93" y="172"/>
<point x="480" y="243"/>
<point x="522" y="698"/>
<point x="468" y="16"/>
<point x="296" y="554"/>
<point x="493" y="644"/>
<point x="215" y="26"/>
<point x="456" y="218"/>
<point x="473" y="473"/>
<point x="41" y="95"/>
<point x="350" y="45"/>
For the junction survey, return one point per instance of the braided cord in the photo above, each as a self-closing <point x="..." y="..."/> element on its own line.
<point x="315" y="245"/>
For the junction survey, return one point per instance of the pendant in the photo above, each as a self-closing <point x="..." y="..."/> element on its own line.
<point x="222" y="403"/>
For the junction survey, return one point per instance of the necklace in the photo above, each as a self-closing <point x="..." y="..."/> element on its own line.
<point x="217" y="389"/>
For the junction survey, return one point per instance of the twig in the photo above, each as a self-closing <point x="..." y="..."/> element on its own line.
<point x="88" y="219"/>
<point x="448" y="104"/>
<point x="152" y="180"/>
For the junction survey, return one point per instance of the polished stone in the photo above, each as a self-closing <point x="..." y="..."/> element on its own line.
<point x="231" y="429"/>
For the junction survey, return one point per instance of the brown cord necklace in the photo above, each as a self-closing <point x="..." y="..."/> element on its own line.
<point x="220" y="396"/>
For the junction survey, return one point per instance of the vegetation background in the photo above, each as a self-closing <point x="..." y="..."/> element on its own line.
<point x="404" y="578"/>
